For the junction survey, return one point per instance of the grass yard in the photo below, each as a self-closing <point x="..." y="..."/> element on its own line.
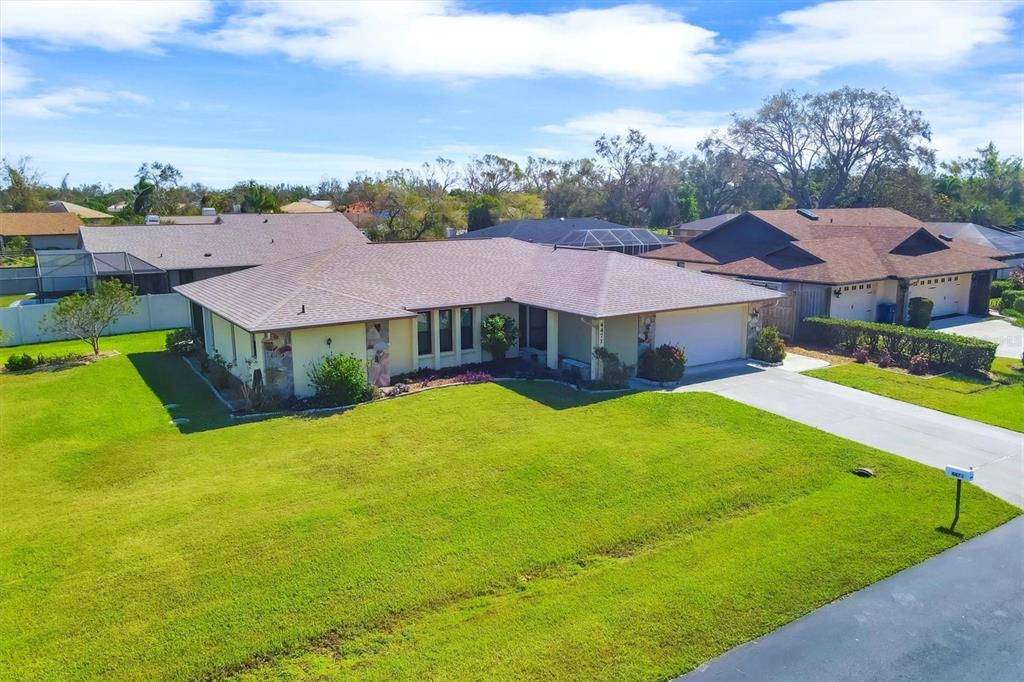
<point x="998" y="401"/>
<point x="483" y="531"/>
<point x="8" y="300"/>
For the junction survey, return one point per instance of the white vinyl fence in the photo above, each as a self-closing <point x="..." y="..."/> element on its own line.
<point x="154" y="311"/>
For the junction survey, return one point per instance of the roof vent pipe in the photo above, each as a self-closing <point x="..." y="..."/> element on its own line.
<point x="946" y="237"/>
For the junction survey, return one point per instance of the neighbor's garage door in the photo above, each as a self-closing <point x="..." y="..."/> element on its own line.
<point x="706" y="334"/>
<point x="949" y="294"/>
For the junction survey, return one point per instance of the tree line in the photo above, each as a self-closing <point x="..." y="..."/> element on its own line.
<point x="844" y="148"/>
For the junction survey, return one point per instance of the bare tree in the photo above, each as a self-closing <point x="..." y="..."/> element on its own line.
<point x="494" y="175"/>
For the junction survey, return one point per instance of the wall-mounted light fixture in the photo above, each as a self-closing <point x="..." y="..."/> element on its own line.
<point x="837" y="292"/>
<point x="328" y="340"/>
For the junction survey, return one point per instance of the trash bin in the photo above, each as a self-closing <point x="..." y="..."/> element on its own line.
<point x="887" y="313"/>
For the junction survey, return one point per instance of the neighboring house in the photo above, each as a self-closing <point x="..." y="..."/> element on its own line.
<point x="684" y="231"/>
<point x="408" y="305"/>
<point x="88" y="215"/>
<point x="308" y="206"/>
<point x="156" y="258"/>
<point x="1010" y="242"/>
<point x="44" y="230"/>
<point x="863" y="264"/>
<point x="584" y="233"/>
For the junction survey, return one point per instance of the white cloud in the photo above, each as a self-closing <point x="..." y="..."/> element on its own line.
<point x="638" y="44"/>
<point x="109" y="25"/>
<point x="13" y="76"/>
<point x="900" y="34"/>
<point x="217" y="166"/>
<point x="59" y="103"/>
<point x="681" y="130"/>
<point x="964" y="120"/>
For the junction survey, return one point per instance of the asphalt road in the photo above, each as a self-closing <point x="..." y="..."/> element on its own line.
<point x="956" y="617"/>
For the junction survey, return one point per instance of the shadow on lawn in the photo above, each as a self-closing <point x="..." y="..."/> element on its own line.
<point x="172" y="382"/>
<point x="558" y="396"/>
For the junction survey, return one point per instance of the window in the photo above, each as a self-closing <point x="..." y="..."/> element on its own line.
<point x="423" y="335"/>
<point x="466" y="324"/>
<point x="538" y="328"/>
<point x="524" y="326"/>
<point x="444" y="319"/>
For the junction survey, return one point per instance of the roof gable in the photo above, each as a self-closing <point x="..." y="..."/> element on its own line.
<point x="918" y="244"/>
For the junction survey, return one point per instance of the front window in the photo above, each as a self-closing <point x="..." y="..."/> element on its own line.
<point x="423" y="335"/>
<point x="446" y="329"/>
<point x="538" y="328"/>
<point x="466" y="323"/>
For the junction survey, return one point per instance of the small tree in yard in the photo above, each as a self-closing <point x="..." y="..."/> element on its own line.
<point x="497" y="334"/>
<point x="88" y="316"/>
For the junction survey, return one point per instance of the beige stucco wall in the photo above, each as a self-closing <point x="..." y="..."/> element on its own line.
<point x="620" y="337"/>
<point x="574" y="335"/>
<point x="310" y="345"/>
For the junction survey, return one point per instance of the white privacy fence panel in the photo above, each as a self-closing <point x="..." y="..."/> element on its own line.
<point x="25" y="323"/>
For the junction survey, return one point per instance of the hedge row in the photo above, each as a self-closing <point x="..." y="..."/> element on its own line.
<point x="946" y="351"/>
<point x="1009" y="297"/>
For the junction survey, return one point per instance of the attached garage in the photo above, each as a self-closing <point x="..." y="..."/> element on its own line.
<point x="706" y="334"/>
<point x="853" y="302"/>
<point x="950" y="294"/>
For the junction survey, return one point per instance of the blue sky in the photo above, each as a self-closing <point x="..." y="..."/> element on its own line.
<point x="297" y="91"/>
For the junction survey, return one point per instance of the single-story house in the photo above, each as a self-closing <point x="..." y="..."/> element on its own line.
<point x="88" y="215"/>
<point x="43" y="230"/>
<point x="308" y="206"/>
<point x="584" y="233"/>
<point x="1010" y="242"/>
<point x="684" y="231"/>
<point x="863" y="264"/>
<point x="410" y="305"/>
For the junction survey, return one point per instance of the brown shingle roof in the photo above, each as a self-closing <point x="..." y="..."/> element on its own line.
<point x="841" y="246"/>
<point x="38" y="224"/>
<point x="377" y="281"/>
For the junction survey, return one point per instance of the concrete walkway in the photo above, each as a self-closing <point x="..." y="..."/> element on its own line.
<point x="917" y="433"/>
<point x="1009" y="337"/>
<point x="958" y="616"/>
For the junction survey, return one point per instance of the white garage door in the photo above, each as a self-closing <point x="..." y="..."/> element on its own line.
<point x="949" y="294"/>
<point x="706" y="334"/>
<point x="854" y="302"/>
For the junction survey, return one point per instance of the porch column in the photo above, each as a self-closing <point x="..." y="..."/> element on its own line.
<point x="552" y="351"/>
<point x="596" y="341"/>
<point x="435" y="334"/>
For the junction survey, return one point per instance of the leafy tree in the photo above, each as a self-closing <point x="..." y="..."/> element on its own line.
<point x="21" y="190"/>
<point x="482" y="211"/>
<point x="493" y="175"/>
<point x="987" y="189"/>
<point x="88" y="316"/>
<point x="257" y="198"/>
<point x="831" y="149"/>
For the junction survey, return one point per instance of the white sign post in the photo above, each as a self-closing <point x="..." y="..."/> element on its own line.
<point x="961" y="475"/>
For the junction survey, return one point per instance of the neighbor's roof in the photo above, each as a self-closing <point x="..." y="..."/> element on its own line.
<point x="83" y="212"/>
<point x="841" y="246"/>
<point x="564" y="231"/>
<point x="306" y="206"/>
<point x="238" y="240"/>
<point x="1009" y="242"/>
<point x="39" y="224"/>
<point x="704" y="224"/>
<point x="390" y="280"/>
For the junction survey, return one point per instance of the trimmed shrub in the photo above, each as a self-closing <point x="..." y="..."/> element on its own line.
<point x="920" y="312"/>
<point x="614" y="373"/>
<point x="339" y="380"/>
<point x="861" y="354"/>
<point x="1018" y="305"/>
<point x="1010" y="298"/>
<point x="183" y="341"/>
<point x="885" y="359"/>
<point x="919" y="364"/>
<point x="220" y="371"/>
<point x="18" y="363"/>
<point x="498" y="333"/>
<point x="664" y="363"/>
<point x="769" y="346"/>
<point x="1001" y="286"/>
<point x="948" y="351"/>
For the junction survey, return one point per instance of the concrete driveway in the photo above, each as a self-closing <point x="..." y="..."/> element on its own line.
<point x="958" y="616"/>
<point x="1009" y="337"/>
<point x="917" y="433"/>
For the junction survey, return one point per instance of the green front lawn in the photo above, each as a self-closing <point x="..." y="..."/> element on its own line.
<point x="502" y="531"/>
<point x="8" y="300"/>
<point x="998" y="401"/>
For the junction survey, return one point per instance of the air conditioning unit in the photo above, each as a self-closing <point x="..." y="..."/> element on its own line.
<point x="208" y="211"/>
<point x="152" y="220"/>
